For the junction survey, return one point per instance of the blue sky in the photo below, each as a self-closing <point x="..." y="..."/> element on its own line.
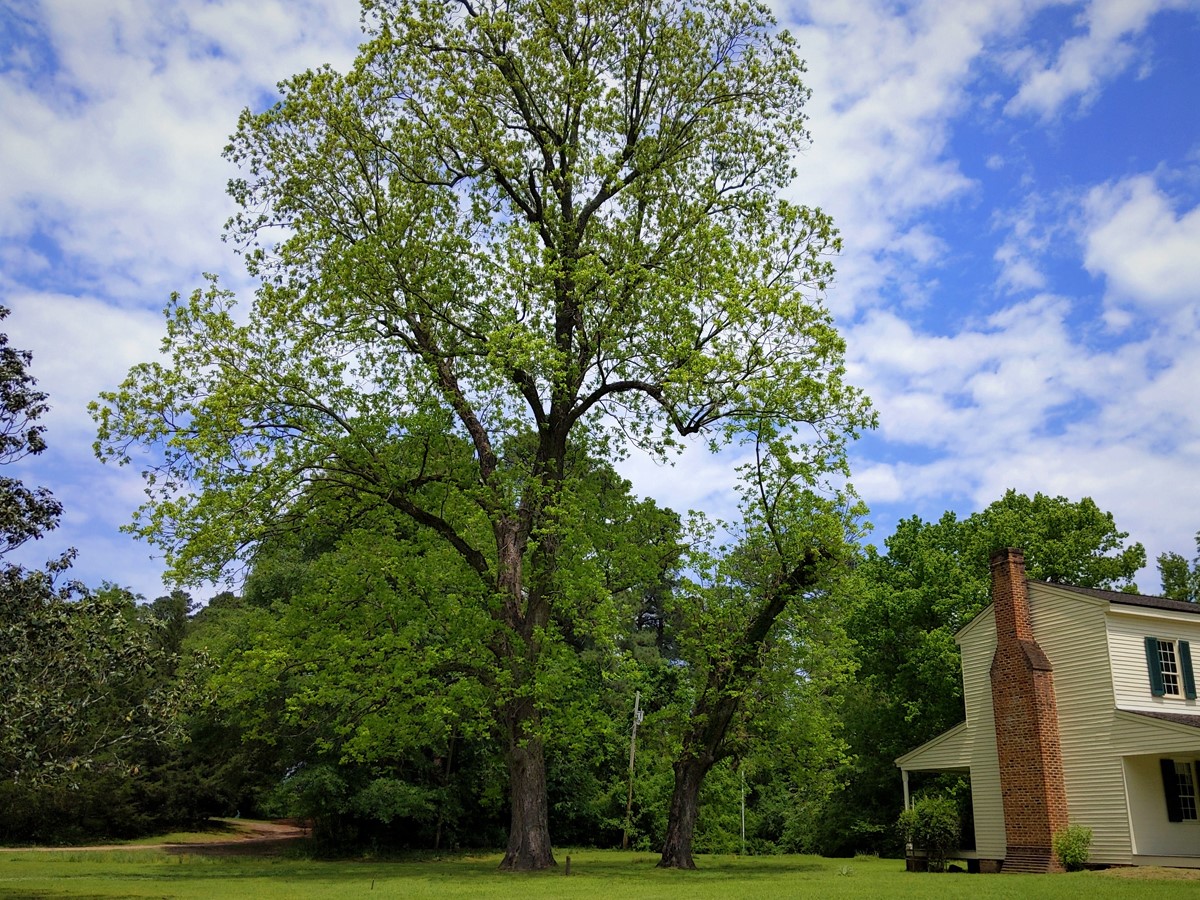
<point x="1017" y="184"/>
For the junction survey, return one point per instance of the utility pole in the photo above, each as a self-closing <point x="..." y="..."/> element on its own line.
<point x="637" y="720"/>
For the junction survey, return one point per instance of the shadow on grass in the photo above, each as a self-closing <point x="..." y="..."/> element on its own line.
<point x="298" y="848"/>
<point x="740" y="867"/>
<point x="590" y="864"/>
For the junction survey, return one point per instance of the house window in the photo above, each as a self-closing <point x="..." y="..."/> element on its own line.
<point x="1179" y="788"/>
<point x="1170" y="666"/>
<point x="1187" y="789"/>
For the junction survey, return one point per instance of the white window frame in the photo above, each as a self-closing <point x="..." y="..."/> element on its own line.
<point x="1168" y="666"/>
<point x="1185" y="777"/>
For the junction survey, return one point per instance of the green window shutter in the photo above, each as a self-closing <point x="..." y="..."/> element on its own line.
<point x="1155" y="667"/>
<point x="1185" y="669"/>
<point x="1171" y="789"/>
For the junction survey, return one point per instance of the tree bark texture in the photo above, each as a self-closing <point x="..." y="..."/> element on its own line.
<point x="685" y="804"/>
<point x="529" y="830"/>
<point x="524" y="613"/>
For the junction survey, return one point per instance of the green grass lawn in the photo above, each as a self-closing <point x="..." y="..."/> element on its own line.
<point x="610" y="875"/>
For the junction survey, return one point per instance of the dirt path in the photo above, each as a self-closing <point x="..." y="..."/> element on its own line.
<point x="248" y="838"/>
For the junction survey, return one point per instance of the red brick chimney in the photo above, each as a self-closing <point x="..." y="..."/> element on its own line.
<point x="1026" y="716"/>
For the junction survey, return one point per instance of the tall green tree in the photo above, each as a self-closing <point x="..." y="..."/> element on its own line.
<point x="554" y="221"/>
<point x="933" y="579"/>
<point x="1180" y="579"/>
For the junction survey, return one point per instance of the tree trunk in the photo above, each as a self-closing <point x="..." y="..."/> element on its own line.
<point x="524" y="613"/>
<point x="685" y="804"/>
<point x="529" y="831"/>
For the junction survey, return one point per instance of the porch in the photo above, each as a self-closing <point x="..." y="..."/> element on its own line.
<point x="1162" y="798"/>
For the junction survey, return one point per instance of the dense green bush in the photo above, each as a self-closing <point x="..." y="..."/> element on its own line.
<point x="932" y="824"/>
<point x="1072" y="846"/>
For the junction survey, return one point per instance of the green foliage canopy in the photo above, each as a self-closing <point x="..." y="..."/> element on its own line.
<point x="1180" y="579"/>
<point x="83" y="691"/>
<point x="358" y="662"/>
<point x="931" y="824"/>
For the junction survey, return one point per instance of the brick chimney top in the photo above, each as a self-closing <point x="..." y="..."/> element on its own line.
<point x="1010" y="596"/>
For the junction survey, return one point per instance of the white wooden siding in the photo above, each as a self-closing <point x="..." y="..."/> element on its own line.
<point x="1134" y="735"/>
<point x="978" y="644"/>
<point x="949" y="750"/>
<point x="1070" y="628"/>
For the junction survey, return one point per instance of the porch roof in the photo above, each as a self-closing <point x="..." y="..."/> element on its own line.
<point x="1138" y="732"/>
<point x="1177" y="718"/>
<point x="948" y="752"/>
<point x="1188" y="719"/>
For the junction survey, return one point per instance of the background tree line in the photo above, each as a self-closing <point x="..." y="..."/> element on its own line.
<point x="349" y="682"/>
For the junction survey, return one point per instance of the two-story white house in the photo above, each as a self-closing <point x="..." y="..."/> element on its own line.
<point x="1081" y="708"/>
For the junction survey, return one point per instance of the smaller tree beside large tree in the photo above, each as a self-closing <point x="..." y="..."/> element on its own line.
<point x="754" y="616"/>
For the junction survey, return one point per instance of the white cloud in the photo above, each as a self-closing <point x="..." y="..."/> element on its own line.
<point x="1086" y="62"/>
<point x="80" y="346"/>
<point x="694" y="480"/>
<point x="112" y="122"/>
<point x="881" y="482"/>
<point x="886" y="83"/>
<point x="119" y="149"/>
<point x="1146" y="251"/>
<point x="1017" y="271"/>
<point x="979" y="388"/>
<point x="1029" y="231"/>
<point x="1018" y="401"/>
